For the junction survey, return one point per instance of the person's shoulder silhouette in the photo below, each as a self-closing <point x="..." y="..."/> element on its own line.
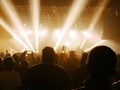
<point x="9" y="78"/>
<point x="47" y="76"/>
<point x="101" y="65"/>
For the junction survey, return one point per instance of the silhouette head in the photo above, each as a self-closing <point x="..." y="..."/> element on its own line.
<point x="102" y="62"/>
<point x="24" y="64"/>
<point x="84" y="59"/>
<point x="72" y="53"/>
<point x="9" y="63"/>
<point x="48" y="54"/>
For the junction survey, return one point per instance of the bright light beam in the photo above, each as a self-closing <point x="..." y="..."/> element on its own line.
<point x="96" y="16"/>
<point x="13" y="16"/>
<point x="75" y="11"/>
<point x="35" y="19"/>
<point x="9" y="30"/>
<point x="98" y="43"/>
<point x="83" y="42"/>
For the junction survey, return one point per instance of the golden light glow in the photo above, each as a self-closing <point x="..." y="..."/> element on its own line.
<point x="13" y="16"/>
<point x="35" y="19"/>
<point x="9" y="30"/>
<point x="96" y="17"/>
<point x="87" y="34"/>
<point x="96" y="44"/>
<point x="101" y="7"/>
<point x="56" y="34"/>
<point x="72" y="34"/>
<point x="75" y="11"/>
<point x="66" y="36"/>
<point x="83" y="42"/>
<point x="43" y="33"/>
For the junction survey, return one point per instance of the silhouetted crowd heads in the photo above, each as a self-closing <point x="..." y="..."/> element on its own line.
<point x="101" y="65"/>
<point x="98" y="69"/>
<point x="102" y="61"/>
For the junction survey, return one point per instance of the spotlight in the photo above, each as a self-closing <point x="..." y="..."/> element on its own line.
<point x="96" y="17"/>
<point x="96" y="44"/>
<point x="56" y="34"/>
<point x="42" y="33"/>
<point x="87" y="34"/>
<point x="72" y="34"/>
<point x="75" y="11"/>
<point x="9" y="30"/>
<point x="10" y="11"/>
<point x="35" y="12"/>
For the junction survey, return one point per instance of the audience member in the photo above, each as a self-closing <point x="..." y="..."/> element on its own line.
<point x="80" y="74"/>
<point x="24" y="66"/>
<point x="101" y="65"/>
<point x="16" y="62"/>
<point x="9" y="79"/>
<point x="1" y="64"/>
<point x="47" y="76"/>
<point x="72" y="62"/>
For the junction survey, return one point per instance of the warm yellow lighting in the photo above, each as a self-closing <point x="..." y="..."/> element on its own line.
<point x="87" y="34"/>
<point x="72" y="34"/>
<point x="56" y="34"/>
<point x="98" y="14"/>
<point x="13" y="16"/>
<point x="96" y="44"/>
<point x="83" y="42"/>
<point x="9" y="30"/>
<point x="96" y="17"/>
<point x="43" y="33"/>
<point x="67" y="44"/>
<point x="29" y="32"/>
<point x="35" y="19"/>
<point x="75" y="11"/>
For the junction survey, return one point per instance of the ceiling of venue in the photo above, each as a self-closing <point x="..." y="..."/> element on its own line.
<point x="113" y="3"/>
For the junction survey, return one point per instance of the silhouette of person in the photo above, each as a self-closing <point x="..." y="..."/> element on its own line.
<point x="101" y="65"/>
<point x="17" y="61"/>
<point x="72" y="62"/>
<point x="80" y="74"/>
<point x="24" y="66"/>
<point x="1" y="64"/>
<point x="9" y="79"/>
<point x="47" y="75"/>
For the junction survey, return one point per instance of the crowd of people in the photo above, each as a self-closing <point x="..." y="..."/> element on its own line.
<point x="98" y="69"/>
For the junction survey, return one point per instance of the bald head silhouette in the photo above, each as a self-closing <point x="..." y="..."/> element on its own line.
<point x="102" y="61"/>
